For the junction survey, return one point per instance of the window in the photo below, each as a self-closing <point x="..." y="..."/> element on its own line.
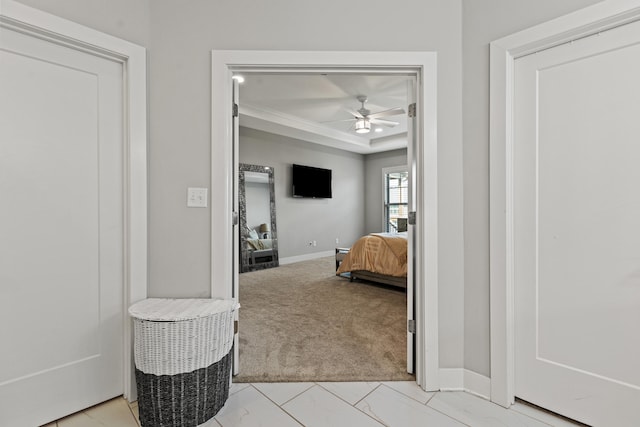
<point x="396" y="201"/>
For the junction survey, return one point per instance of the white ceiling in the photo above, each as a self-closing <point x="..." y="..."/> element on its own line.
<point x="314" y="107"/>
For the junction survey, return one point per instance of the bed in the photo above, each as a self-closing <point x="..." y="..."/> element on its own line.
<point x="378" y="257"/>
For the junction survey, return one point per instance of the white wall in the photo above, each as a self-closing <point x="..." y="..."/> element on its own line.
<point x="485" y="21"/>
<point x="374" y="163"/>
<point x="301" y="220"/>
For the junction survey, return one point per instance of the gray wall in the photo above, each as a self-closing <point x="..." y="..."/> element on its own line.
<point x="126" y="19"/>
<point x="484" y="21"/>
<point x="356" y="206"/>
<point x="180" y="35"/>
<point x="374" y="163"/>
<point x="301" y="220"/>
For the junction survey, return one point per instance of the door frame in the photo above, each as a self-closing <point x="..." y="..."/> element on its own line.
<point x="424" y="64"/>
<point x="503" y="53"/>
<point x="43" y="25"/>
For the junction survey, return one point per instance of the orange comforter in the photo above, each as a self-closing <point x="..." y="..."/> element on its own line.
<point x="378" y="253"/>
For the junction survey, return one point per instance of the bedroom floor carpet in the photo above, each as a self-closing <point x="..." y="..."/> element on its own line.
<point x="300" y="322"/>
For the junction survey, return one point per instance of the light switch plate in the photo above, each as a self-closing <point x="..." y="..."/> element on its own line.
<point x="197" y="197"/>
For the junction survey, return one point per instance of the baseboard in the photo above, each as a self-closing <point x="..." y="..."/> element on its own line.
<point x="306" y="257"/>
<point x="477" y="384"/>
<point x="451" y="379"/>
<point x="458" y="379"/>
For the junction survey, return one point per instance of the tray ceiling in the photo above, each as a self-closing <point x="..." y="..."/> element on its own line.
<point x="317" y="108"/>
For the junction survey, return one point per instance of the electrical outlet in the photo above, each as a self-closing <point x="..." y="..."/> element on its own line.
<point x="310" y="243"/>
<point x="197" y="197"/>
<point x="314" y="243"/>
<point x="337" y="241"/>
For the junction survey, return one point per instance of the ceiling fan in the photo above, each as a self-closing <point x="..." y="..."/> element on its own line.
<point x="365" y="118"/>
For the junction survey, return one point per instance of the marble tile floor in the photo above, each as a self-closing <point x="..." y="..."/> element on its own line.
<point x="351" y="404"/>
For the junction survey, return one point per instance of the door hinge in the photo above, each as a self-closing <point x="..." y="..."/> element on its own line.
<point x="412" y="218"/>
<point x="234" y="218"/>
<point x="411" y="326"/>
<point x="412" y="110"/>
<point x="235" y="110"/>
<point x="235" y="326"/>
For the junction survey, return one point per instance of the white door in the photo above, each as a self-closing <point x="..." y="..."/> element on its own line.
<point x="61" y="229"/>
<point x="577" y="228"/>
<point x="236" y="226"/>
<point x="412" y="253"/>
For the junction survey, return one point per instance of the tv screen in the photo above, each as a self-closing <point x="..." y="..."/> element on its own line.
<point x="311" y="182"/>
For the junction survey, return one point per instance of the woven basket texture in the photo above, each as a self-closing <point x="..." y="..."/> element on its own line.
<point x="171" y="310"/>
<point x="201" y="335"/>
<point x="183" y="400"/>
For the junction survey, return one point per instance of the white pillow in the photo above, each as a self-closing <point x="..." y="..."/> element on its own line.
<point x="253" y="234"/>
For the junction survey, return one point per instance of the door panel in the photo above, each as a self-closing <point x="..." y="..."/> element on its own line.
<point x="236" y="226"/>
<point x="61" y="228"/>
<point x="577" y="228"/>
<point x="412" y="253"/>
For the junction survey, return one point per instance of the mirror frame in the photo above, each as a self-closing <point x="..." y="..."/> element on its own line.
<point x="242" y="202"/>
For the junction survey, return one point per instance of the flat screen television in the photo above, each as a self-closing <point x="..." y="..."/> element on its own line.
<point x="311" y="182"/>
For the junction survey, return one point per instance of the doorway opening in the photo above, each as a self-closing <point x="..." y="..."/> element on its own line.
<point x="423" y="168"/>
<point x="320" y="193"/>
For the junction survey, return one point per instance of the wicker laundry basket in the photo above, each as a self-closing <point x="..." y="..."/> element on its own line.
<point x="183" y="358"/>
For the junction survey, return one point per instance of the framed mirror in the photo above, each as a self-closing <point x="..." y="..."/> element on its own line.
<point x="257" y="204"/>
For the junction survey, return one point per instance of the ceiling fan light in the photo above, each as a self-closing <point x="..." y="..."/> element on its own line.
<point x="363" y="126"/>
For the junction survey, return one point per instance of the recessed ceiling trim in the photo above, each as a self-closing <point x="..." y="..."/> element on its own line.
<point x="387" y="143"/>
<point x="283" y="124"/>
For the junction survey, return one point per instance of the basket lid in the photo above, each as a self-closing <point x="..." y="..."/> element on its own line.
<point x="171" y="310"/>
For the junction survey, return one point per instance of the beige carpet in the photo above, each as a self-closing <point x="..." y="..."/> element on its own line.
<point x="299" y="322"/>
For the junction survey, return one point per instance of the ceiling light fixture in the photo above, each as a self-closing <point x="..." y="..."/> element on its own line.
<point x="378" y="130"/>
<point x="363" y="126"/>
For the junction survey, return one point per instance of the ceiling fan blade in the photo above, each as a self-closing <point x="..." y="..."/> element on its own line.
<point x="354" y="113"/>
<point x="387" y="113"/>
<point x="340" y="120"/>
<point x="384" y="122"/>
